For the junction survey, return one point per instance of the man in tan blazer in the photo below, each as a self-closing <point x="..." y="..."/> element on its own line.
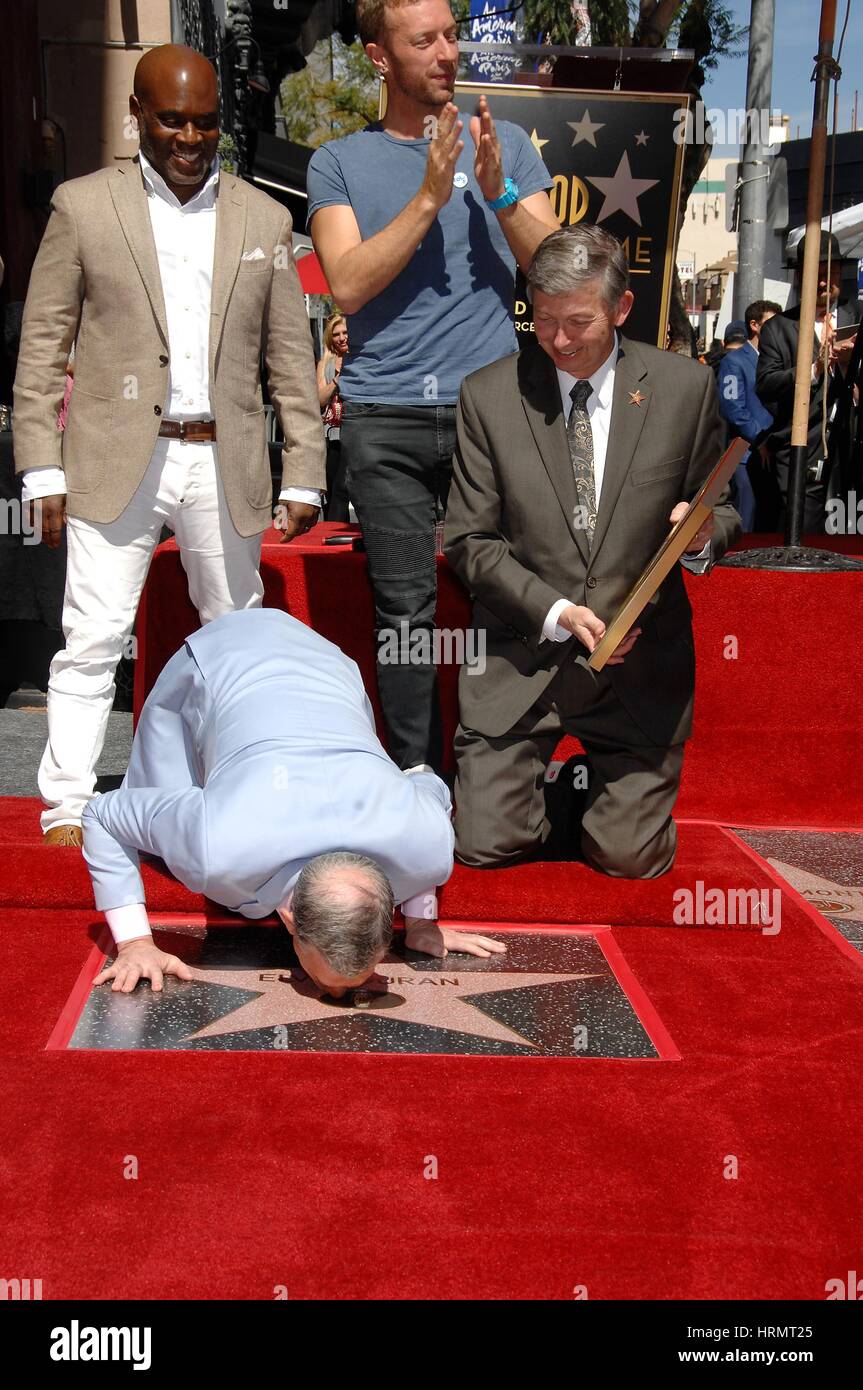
<point x="573" y="458"/>
<point x="171" y="278"/>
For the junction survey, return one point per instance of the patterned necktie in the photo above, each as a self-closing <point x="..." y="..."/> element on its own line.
<point x="580" y="438"/>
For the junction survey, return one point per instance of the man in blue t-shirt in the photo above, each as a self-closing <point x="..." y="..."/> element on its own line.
<point x="418" y="233"/>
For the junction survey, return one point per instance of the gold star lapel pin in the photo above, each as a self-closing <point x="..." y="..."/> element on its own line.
<point x="635" y="398"/>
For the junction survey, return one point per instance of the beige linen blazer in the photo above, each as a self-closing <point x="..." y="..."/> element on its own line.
<point x="96" y="282"/>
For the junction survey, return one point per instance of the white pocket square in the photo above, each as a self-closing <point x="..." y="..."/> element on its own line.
<point x="256" y="255"/>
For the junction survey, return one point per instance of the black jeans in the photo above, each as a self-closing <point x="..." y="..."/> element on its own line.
<point x="398" y="464"/>
<point x="338" y="501"/>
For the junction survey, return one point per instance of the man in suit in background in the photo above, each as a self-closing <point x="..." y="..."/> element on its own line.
<point x="739" y="403"/>
<point x="774" y="380"/>
<point x="257" y="776"/>
<point x="573" y="459"/>
<point x="171" y="277"/>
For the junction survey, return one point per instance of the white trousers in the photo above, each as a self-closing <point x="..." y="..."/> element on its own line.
<point x="105" y="572"/>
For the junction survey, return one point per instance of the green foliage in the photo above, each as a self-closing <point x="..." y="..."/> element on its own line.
<point x="227" y="152"/>
<point x="609" y="23"/>
<point x="553" y="19"/>
<point x="336" y="94"/>
<point x="707" y="26"/>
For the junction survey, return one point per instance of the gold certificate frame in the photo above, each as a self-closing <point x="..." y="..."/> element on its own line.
<point x="669" y="553"/>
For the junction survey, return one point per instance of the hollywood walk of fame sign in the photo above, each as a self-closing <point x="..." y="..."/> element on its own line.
<point x="615" y="161"/>
<point x="552" y="994"/>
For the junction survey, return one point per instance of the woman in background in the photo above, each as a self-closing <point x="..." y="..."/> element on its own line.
<point x="328" y="370"/>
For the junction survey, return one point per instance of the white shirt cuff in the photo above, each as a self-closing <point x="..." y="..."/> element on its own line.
<point x="423" y="905"/>
<point x="310" y="495"/>
<point x="698" y="563"/>
<point x="551" y="632"/>
<point x="125" y="923"/>
<point x="42" y="482"/>
<point x="420" y="767"/>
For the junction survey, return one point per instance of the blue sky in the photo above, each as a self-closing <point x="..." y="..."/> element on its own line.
<point x="796" y="42"/>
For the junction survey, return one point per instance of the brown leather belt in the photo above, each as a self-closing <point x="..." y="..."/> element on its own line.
<point x="189" y="431"/>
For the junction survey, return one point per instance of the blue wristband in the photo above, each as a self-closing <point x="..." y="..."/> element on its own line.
<point x="509" y="196"/>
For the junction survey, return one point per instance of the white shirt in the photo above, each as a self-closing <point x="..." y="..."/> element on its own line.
<point x="599" y="413"/>
<point x="599" y="404"/>
<point x="185" y="238"/>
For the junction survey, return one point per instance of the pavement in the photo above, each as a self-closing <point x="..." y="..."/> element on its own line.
<point x="23" y="734"/>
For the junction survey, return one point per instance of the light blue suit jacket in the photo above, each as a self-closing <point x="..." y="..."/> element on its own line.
<point x="256" y="751"/>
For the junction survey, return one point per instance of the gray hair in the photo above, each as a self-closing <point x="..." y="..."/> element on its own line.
<point x="349" y="922"/>
<point x="574" y="257"/>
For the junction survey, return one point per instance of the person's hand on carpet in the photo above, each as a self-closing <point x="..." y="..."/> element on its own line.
<point x="141" y="959"/>
<point x="434" y="940"/>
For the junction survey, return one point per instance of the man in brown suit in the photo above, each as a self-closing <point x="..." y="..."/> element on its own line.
<point x="572" y="459"/>
<point x="171" y="278"/>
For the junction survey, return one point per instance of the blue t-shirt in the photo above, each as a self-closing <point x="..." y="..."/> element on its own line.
<point x="450" y="311"/>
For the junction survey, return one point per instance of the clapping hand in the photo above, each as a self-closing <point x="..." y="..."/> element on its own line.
<point x="488" y="165"/>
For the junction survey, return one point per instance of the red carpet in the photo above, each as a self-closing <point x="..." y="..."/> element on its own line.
<point x="776" y="715"/>
<point x="306" y="1170"/>
<point x="37" y="875"/>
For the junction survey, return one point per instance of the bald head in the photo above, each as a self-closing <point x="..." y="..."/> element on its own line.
<point x="172" y="64"/>
<point x="176" y="105"/>
<point x="340" y="917"/>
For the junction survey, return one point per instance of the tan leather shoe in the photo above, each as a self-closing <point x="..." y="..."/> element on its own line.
<point x="70" y="835"/>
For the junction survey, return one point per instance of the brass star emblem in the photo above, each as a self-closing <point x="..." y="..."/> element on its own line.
<point x="635" y="398"/>
<point x="536" y="142"/>
<point x="436" y="1000"/>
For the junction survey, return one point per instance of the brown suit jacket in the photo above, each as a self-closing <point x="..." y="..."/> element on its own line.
<point x="512" y="537"/>
<point x="96" y="282"/>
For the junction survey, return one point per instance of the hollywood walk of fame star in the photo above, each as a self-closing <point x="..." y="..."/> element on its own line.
<point x="635" y="398"/>
<point x="833" y="899"/>
<point x="434" y="1000"/>
<point x="585" y="129"/>
<point x="621" y="192"/>
<point x="641" y="138"/>
<point x="536" y="142"/>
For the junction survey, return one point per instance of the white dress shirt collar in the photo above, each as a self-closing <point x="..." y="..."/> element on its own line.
<point x="156" y="184"/>
<point x="602" y="382"/>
